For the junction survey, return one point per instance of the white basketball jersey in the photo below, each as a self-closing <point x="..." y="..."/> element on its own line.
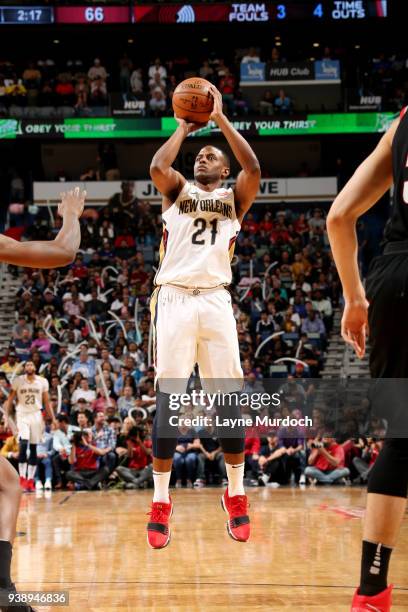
<point x="199" y="233"/>
<point x="29" y="394"/>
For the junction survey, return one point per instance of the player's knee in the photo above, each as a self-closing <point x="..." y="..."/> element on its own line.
<point x="389" y="475"/>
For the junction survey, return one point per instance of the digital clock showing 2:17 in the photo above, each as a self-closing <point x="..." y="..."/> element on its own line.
<point x="26" y="15"/>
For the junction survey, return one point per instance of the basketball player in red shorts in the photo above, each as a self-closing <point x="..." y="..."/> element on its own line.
<point x="380" y="309"/>
<point x="35" y="254"/>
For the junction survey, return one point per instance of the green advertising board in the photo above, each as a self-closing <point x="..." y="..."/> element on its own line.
<point x="111" y="127"/>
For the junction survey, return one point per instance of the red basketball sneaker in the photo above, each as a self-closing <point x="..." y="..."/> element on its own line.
<point x="158" y="530"/>
<point x="23" y="482"/>
<point x="236" y="507"/>
<point x="29" y="486"/>
<point x="376" y="603"/>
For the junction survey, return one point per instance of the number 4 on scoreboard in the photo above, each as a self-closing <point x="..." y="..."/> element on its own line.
<point x="318" y="11"/>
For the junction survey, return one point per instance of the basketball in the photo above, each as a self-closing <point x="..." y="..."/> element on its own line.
<point x="192" y="100"/>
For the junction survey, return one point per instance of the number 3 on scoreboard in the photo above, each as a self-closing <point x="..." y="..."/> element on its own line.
<point x="202" y="225"/>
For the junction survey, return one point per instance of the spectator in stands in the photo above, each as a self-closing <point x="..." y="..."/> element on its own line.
<point x="104" y="438"/>
<point x="11" y="365"/>
<point x="282" y="103"/>
<point x="157" y="102"/>
<point x="83" y="458"/>
<point x="226" y="86"/>
<point x="266" y="104"/>
<point x="251" y="451"/>
<point x="16" y="93"/>
<point x="185" y="460"/>
<point x="139" y="469"/>
<point x="157" y="83"/>
<point x="210" y="458"/>
<point x="275" y="55"/>
<point x="98" y="95"/>
<point x="272" y="461"/>
<point x="125" y="70"/>
<point x="251" y="56"/>
<point x="370" y="450"/>
<point x="136" y="81"/>
<point x="44" y="454"/>
<point x="31" y="76"/>
<point x="97" y="71"/>
<point x="84" y="392"/>
<point x="82" y="94"/>
<point x="65" y="91"/>
<point x="95" y="306"/>
<point x="326" y="462"/>
<point x="123" y="207"/>
<point x="126" y="402"/>
<point x="157" y="68"/>
<point x="317" y="222"/>
<point x="22" y="346"/>
<point x="206" y="71"/>
<point x="22" y="326"/>
<point x="313" y="324"/>
<point x="324" y="307"/>
<point x="42" y="344"/>
<point x="61" y="443"/>
<point x="85" y="365"/>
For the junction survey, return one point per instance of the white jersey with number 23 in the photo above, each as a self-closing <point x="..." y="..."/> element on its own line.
<point x="29" y="393"/>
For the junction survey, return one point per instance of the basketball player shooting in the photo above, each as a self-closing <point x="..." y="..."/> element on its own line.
<point x="31" y="392"/>
<point x="384" y="314"/>
<point x="191" y="309"/>
<point x="36" y="254"/>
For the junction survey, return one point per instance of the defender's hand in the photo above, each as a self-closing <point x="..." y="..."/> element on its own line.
<point x="72" y="201"/>
<point x="354" y="325"/>
<point x="218" y="105"/>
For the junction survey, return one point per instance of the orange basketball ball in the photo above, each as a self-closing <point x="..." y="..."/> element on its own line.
<point x="192" y="100"/>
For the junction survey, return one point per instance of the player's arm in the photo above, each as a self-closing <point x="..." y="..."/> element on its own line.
<point x="368" y="184"/>
<point x="49" y="253"/>
<point x="47" y="406"/>
<point x="165" y="178"/>
<point x="247" y="184"/>
<point x="8" y="405"/>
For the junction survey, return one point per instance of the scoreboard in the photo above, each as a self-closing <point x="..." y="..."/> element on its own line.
<point x="231" y="12"/>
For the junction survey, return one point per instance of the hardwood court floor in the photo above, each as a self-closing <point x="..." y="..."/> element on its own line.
<point x="303" y="553"/>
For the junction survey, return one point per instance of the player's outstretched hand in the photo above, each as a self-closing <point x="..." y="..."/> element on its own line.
<point x="354" y="325"/>
<point x="188" y="127"/>
<point x="218" y="104"/>
<point x="72" y="201"/>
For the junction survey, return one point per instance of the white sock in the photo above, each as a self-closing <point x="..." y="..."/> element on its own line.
<point x="235" y="474"/>
<point x="31" y="470"/>
<point x="161" y="486"/>
<point x="22" y="469"/>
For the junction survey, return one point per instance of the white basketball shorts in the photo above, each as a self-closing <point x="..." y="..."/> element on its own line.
<point x="192" y="328"/>
<point x="30" y="426"/>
